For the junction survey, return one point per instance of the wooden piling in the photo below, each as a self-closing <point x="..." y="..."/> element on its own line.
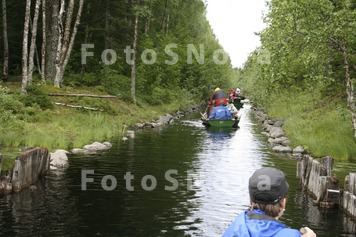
<point x="5" y="183"/>
<point x="29" y="166"/>
<point x="348" y="200"/>
<point x="316" y="178"/>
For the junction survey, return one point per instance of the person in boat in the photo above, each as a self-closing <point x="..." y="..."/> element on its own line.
<point x="220" y="112"/>
<point x="233" y="111"/>
<point x="237" y="98"/>
<point x="232" y="94"/>
<point x="215" y="99"/>
<point x="268" y="189"/>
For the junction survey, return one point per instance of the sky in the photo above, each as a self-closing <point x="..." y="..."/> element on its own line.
<point x="234" y="23"/>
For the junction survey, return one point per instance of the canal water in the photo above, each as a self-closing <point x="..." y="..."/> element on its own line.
<point x="179" y="180"/>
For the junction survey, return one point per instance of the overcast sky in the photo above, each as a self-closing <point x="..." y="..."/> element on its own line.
<point x="234" y="23"/>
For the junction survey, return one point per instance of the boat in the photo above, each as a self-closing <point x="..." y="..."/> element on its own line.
<point x="221" y="123"/>
<point x="238" y="102"/>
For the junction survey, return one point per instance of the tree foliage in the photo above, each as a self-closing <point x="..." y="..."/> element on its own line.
<point x="310" y="49"/>
<point x="303" y="40"/>
<point x="180" y="25"/>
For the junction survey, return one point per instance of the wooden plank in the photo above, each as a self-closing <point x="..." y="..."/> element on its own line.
<point x="77" y="106"/>
<point x="83" y="95"/>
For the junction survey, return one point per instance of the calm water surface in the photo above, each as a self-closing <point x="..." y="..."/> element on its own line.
<point x="180" y="180"/>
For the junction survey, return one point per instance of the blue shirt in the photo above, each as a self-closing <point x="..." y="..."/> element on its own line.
<point x="257" y="224"/>
<point x="220" y="112"/>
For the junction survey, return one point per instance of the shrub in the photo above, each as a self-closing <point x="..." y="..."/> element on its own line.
<point x="37" y="95"/>
<point x="88" y="79"/>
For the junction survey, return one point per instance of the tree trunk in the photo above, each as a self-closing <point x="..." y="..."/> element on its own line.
<point x="107" y="39"/>
<point x="63" y="59"/>
<point x="133" y="66"/>
<point x="72" y="38"/>
<point x="59" y="44"/>
<point x="6" y="43"/>
<point x="86" y="40"/>
<point x="340" y="45"/>
<point x="33" y="42"/>
<point x="25" y="47"/>
<point x="107" y="24"/>
<point x="148" y="20"/>
<point x="52" y="35"/>
<point x="349" y="91"/>
<point x="44" y="42"/>
<point x="167" y="25"/>
<point x="147" y="25"/>
<point x="67" y="29"/>
<point x="164" y="17"/>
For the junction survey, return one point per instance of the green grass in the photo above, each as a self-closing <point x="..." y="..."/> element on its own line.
<point x="71" y="129"/>
<point x="66" y="128"/>
<point x="322" y="126"/>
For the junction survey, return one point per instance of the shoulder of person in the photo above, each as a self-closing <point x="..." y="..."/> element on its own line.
<point x="288" y="232"/>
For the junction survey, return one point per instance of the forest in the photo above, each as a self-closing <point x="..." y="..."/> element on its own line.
<point x="57" y="30"/>
<point x="304" y="71"/>
<point x="151" y="54"/>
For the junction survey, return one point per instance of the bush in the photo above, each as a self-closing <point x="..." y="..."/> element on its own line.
<point x="88" y="79"/>
<point x="9" y="103"/>
<point x="118" y="85"/>
<point x="36" y="95"/>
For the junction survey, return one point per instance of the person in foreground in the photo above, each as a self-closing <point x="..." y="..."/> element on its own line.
<point x="268" y="189"/>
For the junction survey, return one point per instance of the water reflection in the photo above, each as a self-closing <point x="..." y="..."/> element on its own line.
<point x="48" y="208"/>
<point x="227" y="160"/>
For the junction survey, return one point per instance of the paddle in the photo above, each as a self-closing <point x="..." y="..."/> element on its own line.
<point x="204" y="115"/>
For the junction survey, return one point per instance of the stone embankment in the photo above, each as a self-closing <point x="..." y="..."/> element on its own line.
<point x="276" y="136"/>
<point x="315" y="174"/>
<point x="167" y="119"/>
<point x="59" y="158"/>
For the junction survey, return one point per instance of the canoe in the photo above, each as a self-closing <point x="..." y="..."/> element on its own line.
<point x="238" y="103"/>
<point x="222" y="123"/>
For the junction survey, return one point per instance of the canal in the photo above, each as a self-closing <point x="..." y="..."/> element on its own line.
<point x="179" y="180"/>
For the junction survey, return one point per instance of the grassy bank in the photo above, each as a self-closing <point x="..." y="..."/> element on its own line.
<point x="34" y="120"/>
<point x="322" y="125"/>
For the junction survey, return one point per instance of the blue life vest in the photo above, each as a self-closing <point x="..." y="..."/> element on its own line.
<point x="257" y="224"/>
<point x="220" y="112"/>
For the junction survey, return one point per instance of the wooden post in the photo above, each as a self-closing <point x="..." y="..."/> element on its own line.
<point x="29" y="166"/>
<point x="5" y="182"/>
<point x="316" y="178"/>
<point x="352" y="183"/>
<point x="327" y="163"/>
<point x="348" y="201"/>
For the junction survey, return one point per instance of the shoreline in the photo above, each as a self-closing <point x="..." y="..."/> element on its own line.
<point x="10" y="153"/>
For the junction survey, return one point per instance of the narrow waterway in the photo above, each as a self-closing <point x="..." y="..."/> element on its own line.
<point x="180" y="180"/>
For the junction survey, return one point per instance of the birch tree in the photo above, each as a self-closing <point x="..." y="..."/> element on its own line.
<point x="6" y="42"/>
<point x="52" y="34"/>
<point x="25" y="47"/>
<point x="302" y="39"/>
<point x="33" y="42"/>
<point x="86" y="38"/>
<point x="133" y="65"/>
<point x="343" y="40"/>
<point x="66" y="39"/>
<point x="44" y="41"/>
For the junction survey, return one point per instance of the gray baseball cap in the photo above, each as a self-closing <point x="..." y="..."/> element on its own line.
<point x="267" y="186"/>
